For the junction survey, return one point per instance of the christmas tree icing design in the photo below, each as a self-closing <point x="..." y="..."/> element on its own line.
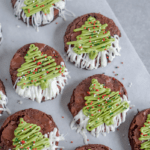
<point x="38" y="69"/>
<point x="33" y="6"/>
<point x="102" y="105"/>
<point x="145" y="134"/>
<point x="29" y="137"/>
<point x="93" y="38"/>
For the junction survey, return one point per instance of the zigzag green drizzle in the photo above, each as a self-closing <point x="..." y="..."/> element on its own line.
<point x="29" y="136"/>
<point x="102" y="105"/>
<point x="38" y="69"/>
<point x="145" y="134"/>
<point x="93" y="38"/>
<point x="34" y="6"/>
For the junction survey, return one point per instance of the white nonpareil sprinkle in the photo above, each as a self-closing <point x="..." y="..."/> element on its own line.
<point x="19" y="102"/>
<point x="130" y="84"/>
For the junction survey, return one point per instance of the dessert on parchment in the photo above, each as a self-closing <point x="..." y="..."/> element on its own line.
<point x="92" y="41"/>
<point x="139" y="131"/>
<point x="38" y="72"/>
<point x="3" y="99"/>
<point x="29" y="129"/>
<point x="39" y="12"/>
<point x="99" y="104"/>
<point x="93" y="147"/>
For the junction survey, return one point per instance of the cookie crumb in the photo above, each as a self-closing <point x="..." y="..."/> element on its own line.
<point x="117" y="129"/>
<point x="121" y="62"/>
<point x="71" y="141"/>
<point x="19" y="102"/>
<point x="113" y="71"/>
<point x="87" y="139"/>
<point x="56" y="22"/>
<point x="6" y="79"/>
<point x="122" y="78"/>
<point x="62" y="116"/>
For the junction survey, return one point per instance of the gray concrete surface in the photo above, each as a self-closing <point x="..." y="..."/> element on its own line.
<point x="134" y="16"/>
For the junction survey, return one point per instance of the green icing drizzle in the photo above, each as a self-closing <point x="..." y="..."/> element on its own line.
<point x="34" y="6"/>
<point x="38" y="69"/>
<point x="93" y="38"/>
<point x="102" y="105"/>
<point x="28" y="136"/>
<point x="145" y="134"/>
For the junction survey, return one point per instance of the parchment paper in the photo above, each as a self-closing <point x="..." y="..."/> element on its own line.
<point x="132" y="70"/>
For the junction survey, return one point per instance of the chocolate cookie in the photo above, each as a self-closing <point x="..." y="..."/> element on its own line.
<point x="93" y="147"/>
<point x="38" y="72"/>
<point x="38" y="13"/>
<point x="27" y="124"/>
<point x="1" y="36"/>
<point x="98" y="104"/>
<point x="138" y="138"/>
<point x="3" y="99"/>
<point x="91" y="41"/>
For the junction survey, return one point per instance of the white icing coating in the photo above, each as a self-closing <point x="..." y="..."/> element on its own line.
<point x="85" y="62"/>
<point x="81" y="127"/>
<point x="1" y="36"/>
<point x="36" y="93"/>
<point x="3" y="103"/>
<point x="39" y="18"/>
<point x="53" y="139"/>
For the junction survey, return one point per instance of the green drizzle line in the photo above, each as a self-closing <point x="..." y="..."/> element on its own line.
<point x="34" y="6"/>
<point x="93" y="38"/>
<point x="28" y="136"/>
<point x="102" y="105"/>
<point x="145" y="134"/>
<point x="38" y="69"/>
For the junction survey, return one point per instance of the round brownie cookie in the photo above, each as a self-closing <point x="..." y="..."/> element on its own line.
<point x="1" y="36"/>
<point x="81" y="35"/>
<point x="93" y="147"/>
<point x="135" y="131"/>
<point x="77" y="101"/>
<point x="54" y="83"/>
<point x="33" y="117"/>
<point x="98" y="104"/>
<point x="3" y="98"/>
<point x="41" y="17"/>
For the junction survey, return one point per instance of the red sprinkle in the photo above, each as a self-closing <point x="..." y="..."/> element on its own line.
<point x="88" y="92"/>
<point x="71" y="141"/>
